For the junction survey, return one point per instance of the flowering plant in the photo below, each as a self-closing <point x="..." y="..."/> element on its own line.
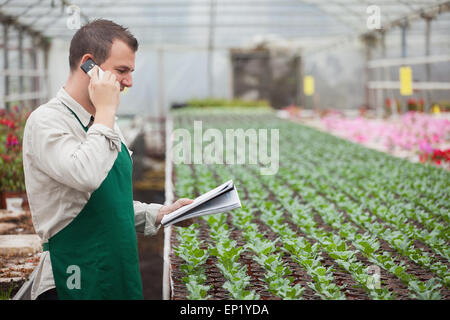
<point x="421" y="134"/>
<point x="12" y="124"/>
<point x="414" y="105"/>
<point x="435" y="155"/>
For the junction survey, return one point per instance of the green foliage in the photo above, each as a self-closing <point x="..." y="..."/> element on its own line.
<point x="189" y="250"/>
<point x="330" y="199"/>
<point x="212" y="102"/>
<point x="6" y="295"/>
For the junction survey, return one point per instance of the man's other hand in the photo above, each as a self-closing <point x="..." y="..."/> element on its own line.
<point x="171" y="208"/>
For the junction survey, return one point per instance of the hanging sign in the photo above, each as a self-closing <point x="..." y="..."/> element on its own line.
<point x="308" y="85"/>
<point x="405" y="75"/>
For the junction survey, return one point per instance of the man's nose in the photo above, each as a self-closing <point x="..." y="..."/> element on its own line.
<point x="127" y="81"/>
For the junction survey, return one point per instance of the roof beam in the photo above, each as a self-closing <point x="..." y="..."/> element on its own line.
<point x="206" y="3"/>
<point x="12" y="21"/>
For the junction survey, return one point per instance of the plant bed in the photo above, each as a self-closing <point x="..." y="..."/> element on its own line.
<point x="20" y="221"/>
<point x="334" y="212"/>
<point x="15" y="269"/>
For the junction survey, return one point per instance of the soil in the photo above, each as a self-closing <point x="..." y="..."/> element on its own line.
<point x="150" y="248"/>
<point x="352" y="290"/>
<point x="151" y="251"/>
<point x="22" y="224"/>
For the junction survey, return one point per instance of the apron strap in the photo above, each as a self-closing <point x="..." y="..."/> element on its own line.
<point x="85" y="128"/>
<point x="45" y="247"/>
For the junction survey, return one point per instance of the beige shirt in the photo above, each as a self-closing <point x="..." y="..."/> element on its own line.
<point x="63" y="166"/>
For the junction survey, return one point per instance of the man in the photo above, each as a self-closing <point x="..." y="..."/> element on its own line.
<point x="78" y="177"/>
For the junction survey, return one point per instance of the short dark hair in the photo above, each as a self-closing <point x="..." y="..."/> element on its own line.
<point x="96" y="38"/>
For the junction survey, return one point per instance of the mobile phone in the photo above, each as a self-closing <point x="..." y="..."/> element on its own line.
<point x="88" y="66"/>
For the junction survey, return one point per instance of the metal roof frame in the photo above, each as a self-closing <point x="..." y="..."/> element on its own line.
<point x="332" y="18"/>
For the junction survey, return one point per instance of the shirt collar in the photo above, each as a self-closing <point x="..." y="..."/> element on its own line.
<point x="82" y="114"/>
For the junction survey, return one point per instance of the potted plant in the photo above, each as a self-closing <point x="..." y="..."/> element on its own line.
<point x="12" y="180"/>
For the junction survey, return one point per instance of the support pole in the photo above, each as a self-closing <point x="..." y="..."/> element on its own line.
<point x="369" y="40"/>
<point x="367" y="76"/>
<point x="403" y="41"/>
<point x="385" y="92"/>
<point x="299" y="80"/>
<point x="46" y="49"/>
<point x="210" y="66"/>
<point x="404" y="25"/>
<point x="6" y="62"/>
<point x="161" y="93"/>
<point x="428" y="66"/>
<point x="380" y="94"/>
<point x="34" y="65"/>
<point x="21" y="67"/>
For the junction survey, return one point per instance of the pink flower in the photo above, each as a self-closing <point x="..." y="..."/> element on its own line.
<point x="425" y="147"/>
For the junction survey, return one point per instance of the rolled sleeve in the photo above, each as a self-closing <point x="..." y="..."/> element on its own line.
<point x="145" y="217"/>
<point x="112" y="137"/>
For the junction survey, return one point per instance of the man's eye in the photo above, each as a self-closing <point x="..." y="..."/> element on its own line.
<point x="121" y="71"/>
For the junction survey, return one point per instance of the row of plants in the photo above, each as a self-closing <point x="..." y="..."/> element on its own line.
<point x="374" y="210"/>
<point x="336" y="248"/>
<point x="298" y="248"/>
<point x="437" y="240"/>
<point x="190" y="251"/>
<point x="267" y="254"/>
<point x="224" y="248"/>
<point x="189" y="246"/>
<point x="392" y="211"/>
<point x="273" y="217"/>
<point x="332" y="244"/>
<point x="226" y="103"/>
<point x="367" y="244"/>
<point x="221" y="247"/>
<point x="399" y="240"/>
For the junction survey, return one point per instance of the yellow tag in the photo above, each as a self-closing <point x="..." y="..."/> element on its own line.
<point x="406" y="81"/>
<point x="308" y="85"/>
<point x="436" y="109"/>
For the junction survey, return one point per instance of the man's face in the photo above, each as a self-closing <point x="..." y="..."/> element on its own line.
<point x="120" y="63"/>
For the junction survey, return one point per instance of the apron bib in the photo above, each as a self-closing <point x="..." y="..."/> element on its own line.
<point x="96" y="256"/>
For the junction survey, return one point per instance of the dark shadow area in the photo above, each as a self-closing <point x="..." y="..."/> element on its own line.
<point x="151" y="252"/>
<point x="150" y="247"/>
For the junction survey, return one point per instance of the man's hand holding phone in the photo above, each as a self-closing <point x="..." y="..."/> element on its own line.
<point x="105" y="96"/>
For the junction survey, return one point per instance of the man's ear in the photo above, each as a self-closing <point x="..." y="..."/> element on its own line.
<point x="85" y="57"/>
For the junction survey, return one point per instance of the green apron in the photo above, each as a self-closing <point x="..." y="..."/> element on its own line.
<point x="96" y="256"/>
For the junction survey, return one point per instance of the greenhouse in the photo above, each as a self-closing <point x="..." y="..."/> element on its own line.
<point x="225" y="150"/>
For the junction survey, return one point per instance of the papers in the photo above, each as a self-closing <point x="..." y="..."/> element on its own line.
<point x="221" y="199"/>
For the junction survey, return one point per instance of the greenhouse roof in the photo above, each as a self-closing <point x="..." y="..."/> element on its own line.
<point x="226" y="23"/>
